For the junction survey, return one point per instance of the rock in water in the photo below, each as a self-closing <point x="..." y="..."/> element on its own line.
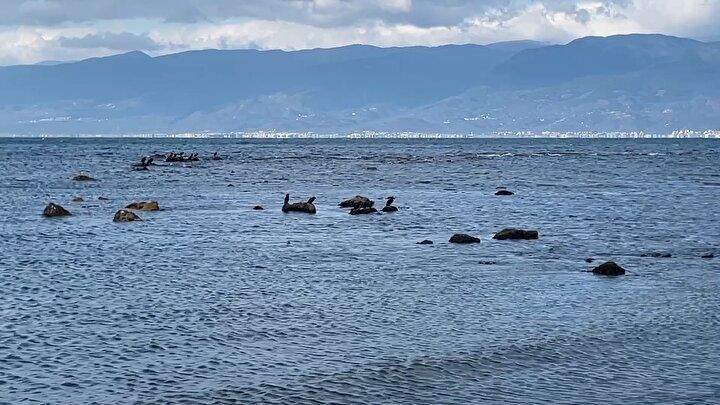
<point x="425" y="242"/>
<point x="708" y="256"/>
<point x="463" y="238"/>
<point x="512" y="233"/>
<point x="258" y="208"/>
<point x="306" y="207"/>
<point x="609" y="269"/>
<point x="78" y="199"/>
<point x="144" y="206"/>
<point x="83" y="177"/>
<point x="54" y="210"/>
<point x="657" y="255"/>
<point x="504" y="192"/>
<point x="363" y="211"/>
<point x="125" y="216"/>
<point x="358" y="201"/>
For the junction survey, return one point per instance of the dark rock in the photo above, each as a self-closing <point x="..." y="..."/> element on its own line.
<point x="306" y="207"/>
<point x="425" y="242"/>
<point x="103" y="199"/>
<point x="55" y="210"/>
<point x="463" y="238"/>
<point x="83" y="177"/>
<point x="512" y="233"/>
<point x="78" y="199"/>
<point x="358" y="201"/>
<point x="589" y="260"/>
<point x="609" y="269"/>
<point x="231" y="185"/>
<point x="500" y="188"/>
<point x="125" y="216"/>
<point x="504" y="192"/>
<point x="708" y="256"/>
<point x="258" y="208"/>
<point x="363" y="211"/>
<point x="487" y="263"/>
<point x="657" y="255"/>
<point x="144" y="206"/>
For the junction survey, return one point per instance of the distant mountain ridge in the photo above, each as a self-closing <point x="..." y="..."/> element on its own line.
<point x="653" y="83"/>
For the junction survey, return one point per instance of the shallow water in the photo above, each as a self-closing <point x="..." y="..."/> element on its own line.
<point x="210" y="301"/>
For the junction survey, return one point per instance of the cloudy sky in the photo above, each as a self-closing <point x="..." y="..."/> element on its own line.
<point x="39" y="30"/>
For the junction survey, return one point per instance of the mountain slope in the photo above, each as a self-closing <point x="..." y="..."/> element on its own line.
<point x="631" y="82"/>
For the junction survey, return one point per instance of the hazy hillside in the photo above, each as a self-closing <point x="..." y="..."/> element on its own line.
<point x="635" y="82"/>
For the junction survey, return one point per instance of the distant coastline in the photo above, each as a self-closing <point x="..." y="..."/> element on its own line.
<point x="708" y="134"/>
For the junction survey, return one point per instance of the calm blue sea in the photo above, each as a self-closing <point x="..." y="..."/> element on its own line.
<point x="209" y="301"/>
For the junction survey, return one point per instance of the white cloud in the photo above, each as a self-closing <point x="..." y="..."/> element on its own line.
<point x="34" y="30"/>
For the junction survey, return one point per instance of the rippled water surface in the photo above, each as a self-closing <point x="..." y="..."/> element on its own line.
<point x="208" y="301"/>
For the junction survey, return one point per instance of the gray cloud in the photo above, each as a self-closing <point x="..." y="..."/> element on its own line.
<point x="124" y="41"/>
<point x="323" y="13"/>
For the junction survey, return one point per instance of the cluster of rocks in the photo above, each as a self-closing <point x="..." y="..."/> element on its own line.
<point x="124" y="215"/>
<point x="361" y="205"/>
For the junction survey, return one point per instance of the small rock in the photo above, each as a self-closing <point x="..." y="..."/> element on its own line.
<point x="83" y="177"/>
<point x="358" y="201"/>
<point x="144" y="206"/>
<point x="125" y="216"/>
<point x="103" y="199"/>
<point x="425" y="242"/>
<point x="708" y="256"/>
<point x="55" y="210"/>
<point x="512" y="233"/>
<point x="500" y="188"/>
<point x="231" y="185"/>
<point x="504" y="192"/>
<point x="609" y="269"/>
<point x="463" y="238"/>
<point x="77" y="199"/>
<point x="589" y="260"/>
<point x="657" y="255"/>
<point x="363" y="211"/>
<point x="258" y="208"/>
<point x="487" y="263"/>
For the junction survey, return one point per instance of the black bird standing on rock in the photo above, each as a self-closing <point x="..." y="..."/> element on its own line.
<point x="388" y="205"/>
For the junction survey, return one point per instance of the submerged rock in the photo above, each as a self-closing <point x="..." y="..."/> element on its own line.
<point x="258" y="208"/>
<point x="589" y="260"/>
<point x="358" y="201"/>
<point x="83" y="177"/>
<point x="55" y="210"/>
<point x="609" y="269"/>
<point x="78" y="199"/>
<point x="103" y="198"/>
<point x="464" y="238"/>
<point x="708" y="256"/>
<point x="504" y="192"/>
<point x="487" y="263"/>
<point x="425" y="242"/>
<point x="125" y="216"/>
<point x="512" y="233"/>
<point x="657" y="255"/>
<point x="144" y="206"/>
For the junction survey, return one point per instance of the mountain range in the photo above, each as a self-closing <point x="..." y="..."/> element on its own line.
<point x="651" y="83"/>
